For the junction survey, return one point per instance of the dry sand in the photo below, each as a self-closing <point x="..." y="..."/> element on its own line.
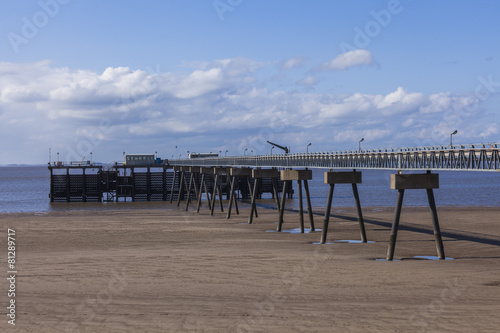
<point x="167" y="270"/>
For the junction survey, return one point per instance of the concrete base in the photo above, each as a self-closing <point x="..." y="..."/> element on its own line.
<point x="414" y="181"/>
<point x="195" y="169"/>
<point x="348" y="177"/>
<point x="207" y="171"/>
<point x="265" y="173"/>
<point x="296" y="175"/>
<point x="246" y="172"/>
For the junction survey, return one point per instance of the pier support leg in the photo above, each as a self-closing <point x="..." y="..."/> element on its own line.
<point x="252" y="202"/>
<point x="301" y="209"/>
<point x="219" y="190"/>
<point x="200" y="193"/>
<point x="327" y="214"/>
<point x="214" y="195"/>
<point x="188" y="199"/>
<point x="207" y="193"/>
<point x="181" y="183"/>
<point x="435" y="224"/>
<point x="282" y="208"/>
<point x="236" y="202"/>
<point x="360" y="214"/>
<point x="275" y="192"/>
<point x="231" y="197"/>
<point x="395" y="225"/>
<point x="309" y="206"/>
<point x="250" y="191"/>
<point x="174" y="177"/>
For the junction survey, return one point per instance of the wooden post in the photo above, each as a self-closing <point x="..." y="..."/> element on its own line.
<point x="231" y="196"/>
<point x="275" y="192"/>
<point x="395" y="225"/>
<point x="282" y="208"/>
<point x="327" y="214"/>
<point x="301" y="209"/>
<point x="174" y="178"/>
<point x="68" y="186"/>
<point x="148" y="184"/>
<point x="214" y="195"/>
<point x="252" y="201"/>
<point x="84" y="184"/>
<point x="309" y="206"/>
<point x="181" y="183"/>
<point x="360" y="214"/>
<point x="188" y="199"/>
<point x="435" y="224"/>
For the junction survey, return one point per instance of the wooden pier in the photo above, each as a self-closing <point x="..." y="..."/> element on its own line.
<point x="96" y="183"/>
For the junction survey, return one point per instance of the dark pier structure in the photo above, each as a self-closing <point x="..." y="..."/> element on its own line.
<point x="157" y="182"/>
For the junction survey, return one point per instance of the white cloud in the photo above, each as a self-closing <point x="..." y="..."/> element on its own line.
<point x="223" y="103"/>
<point x="348" y="59"/>
<point x="297" y="61"/>
<point x="308" y="81"/>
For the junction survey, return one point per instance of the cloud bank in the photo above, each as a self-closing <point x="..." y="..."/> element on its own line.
<point x="217" y="106"/>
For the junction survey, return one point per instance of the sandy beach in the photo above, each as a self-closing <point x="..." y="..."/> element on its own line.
<point x="167" y="270"/>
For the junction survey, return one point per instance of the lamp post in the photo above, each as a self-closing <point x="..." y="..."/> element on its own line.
<point x="220" y="153"/>
<point x="245" y="151"/>
<point x="451" y="137"/>
<point x="359" y="144"/>
<point x="307" y="148"/>
<point x="188" y="153"/>
<point x="272" y="150"/>
<point x="225" y="153"/>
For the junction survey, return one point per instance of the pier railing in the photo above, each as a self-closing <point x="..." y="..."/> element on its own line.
<point x="479" y="157"/>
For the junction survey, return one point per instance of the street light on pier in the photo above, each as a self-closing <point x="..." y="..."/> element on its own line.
<point x="245" y="151"/>
<point x="225" y="153"/>
<point x="451" y="137"/>
<point x="272" y="150"/>
<point x="359" y="144"/>
<point x="307" y="148"/>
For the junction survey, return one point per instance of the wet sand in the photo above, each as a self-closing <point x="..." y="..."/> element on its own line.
<point x="167" y="270"/>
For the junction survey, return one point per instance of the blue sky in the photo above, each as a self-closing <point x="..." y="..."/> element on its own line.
<point x="112" y="76"/>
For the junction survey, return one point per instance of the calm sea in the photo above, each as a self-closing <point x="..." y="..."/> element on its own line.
<point x="26" y="189"/>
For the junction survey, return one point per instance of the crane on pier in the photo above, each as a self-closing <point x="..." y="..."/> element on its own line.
<point x="280" y="147"/>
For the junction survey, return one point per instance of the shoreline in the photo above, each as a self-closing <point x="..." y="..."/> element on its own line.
<point x="269" y="205"/>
